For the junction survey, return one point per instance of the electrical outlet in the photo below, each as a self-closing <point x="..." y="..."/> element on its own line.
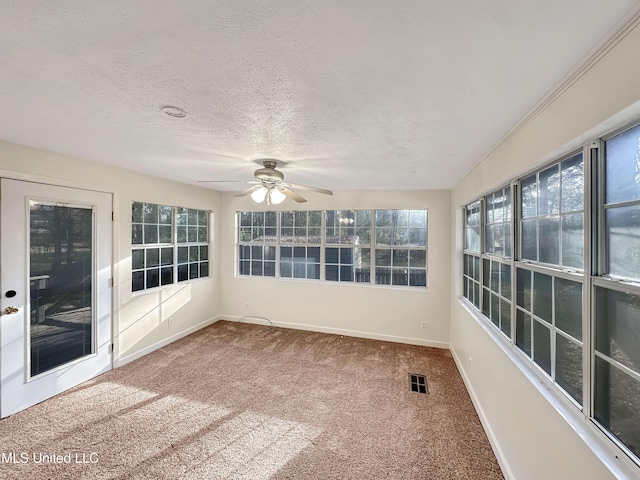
<point x="170" y="322"/>
<point x="246" y="306"/>
<point x="423" y="325"/>
<point x="469" y="361"/>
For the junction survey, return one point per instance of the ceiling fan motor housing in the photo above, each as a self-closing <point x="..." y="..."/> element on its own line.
<point x="269" y="172"/>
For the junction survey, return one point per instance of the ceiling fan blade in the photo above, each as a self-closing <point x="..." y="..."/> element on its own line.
<point x="247" y="191"/>
<point x="292" y="195"/>
<point x="310" y="189"/>
<point x="228" y="181"/>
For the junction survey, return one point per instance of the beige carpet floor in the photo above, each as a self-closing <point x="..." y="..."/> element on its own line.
<point x="241" y="401"/>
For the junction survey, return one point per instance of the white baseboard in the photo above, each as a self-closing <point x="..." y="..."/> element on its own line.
<point x="119" y="362"/>
<point x="337" y="331"/>
<point x="504" y="466"/>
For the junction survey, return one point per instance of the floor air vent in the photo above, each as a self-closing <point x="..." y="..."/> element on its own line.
<point x="418" y="383"/>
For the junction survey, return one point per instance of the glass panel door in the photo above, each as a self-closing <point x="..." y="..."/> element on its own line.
<point x="61" y="271"/>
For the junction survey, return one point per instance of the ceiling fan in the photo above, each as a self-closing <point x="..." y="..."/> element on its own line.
<point x="268" y="185"/>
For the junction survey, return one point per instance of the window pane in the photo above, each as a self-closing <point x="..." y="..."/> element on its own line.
<point x="137" y="259"/>
<point x="383" y="258"/>
<point x="137" y="281"/>
<point x="505" y="317"/>
<point x="417" y="277"/>
<point x="523" y="332"/>
<point x="573" y="240"/>
<point x="166" y="256"/>
<point x="623" y="167"/>
<point x="244" y="268"/>
<point x="165" y="234"/>
<point x="495" y="277"/>
<point x="245" y="252"/>
<point x="623" y="246"/>
<point x="136" y="234"/>
<point x="181" y="216"/>
<point x="165" y="214"/>
<point x="150" y="234"/>
<point x="542" y="296"/>
<point x="617" y="404"/>
<point x="495" y="310"/>
<point x="573" y="183"/>
<point x="549" y="239"/>
<point x="524" y="288"/>
<point x="166" y="275"/>
<point x="192" y="216"/>
<point x="183" y="254"/>
<point x="400" y="276"/>
<point x="530" y="239"/>
<point x="204" y="269"/>
<point x="486" y="302"/>
<point x="400" y="258"/>
<point x="549" y="191"/>
<point x="153" y="257"/>
<point x="153" y="278"/>
<point x="136" y="212"/>
<point x="183" y="272"/>
<point x="269" y="269"/>
<point x="383" y="276"/>
<point x="286" y="269"/>
<point x="193" y="270"/>
<point x="618" y="326"/>
<point x="269" y="252"/>
<point x="418" y="258"/>
<point x="568" y="307"/>
<point x="182" y="234"/>
<point x="542" y="346"/>
<point x="472" y="227"/>
<point x="505" y="279"/>
<point x="150" y="213"/>
<point x="569" y="367"/>
<point x="202" y="234"/>
<point x="529" y="196"/>
<point x="331" y="273"/>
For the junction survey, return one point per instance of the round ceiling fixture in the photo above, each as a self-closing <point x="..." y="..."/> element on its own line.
<point x="174" y="111"/>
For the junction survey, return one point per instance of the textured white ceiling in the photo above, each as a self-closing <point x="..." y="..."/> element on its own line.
<point x="349" y="94"/>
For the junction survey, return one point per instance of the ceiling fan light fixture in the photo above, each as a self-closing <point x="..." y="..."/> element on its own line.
<point x="260" y="194"/>
<point x="276" y="196"/>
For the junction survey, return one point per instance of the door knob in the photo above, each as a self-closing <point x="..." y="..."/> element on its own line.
<point x="10" y="310"/>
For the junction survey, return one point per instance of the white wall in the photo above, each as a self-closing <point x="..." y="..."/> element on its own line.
<point x="373" y="312"/>
<point x="140" y="319"/>
<point x="531" y="437"/>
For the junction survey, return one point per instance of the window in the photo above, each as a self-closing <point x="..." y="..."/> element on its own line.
<point x="193" y="243"/>
<point x="549" y="302"/>
<point x="347" y="251"/>
<point x="497" y="224"/>
<point x="472" y="227"/>
<point x="617" y="304"/>
<point x="400" y="247"/>
<point x="471" y="270"/>
<point x="335" y="245"/>
<point x="553" y="214"/>
<point x="257" y="238"/>
<point x="561" y="290"/>
<point x="154" y="255"/>
<point x="549" y="327"/>
<point x="299" y="230"/>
